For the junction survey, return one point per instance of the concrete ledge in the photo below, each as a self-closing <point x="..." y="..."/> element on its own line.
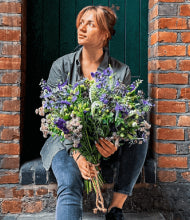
<point x="86" y="216"/>
<point x="33" y="172"/>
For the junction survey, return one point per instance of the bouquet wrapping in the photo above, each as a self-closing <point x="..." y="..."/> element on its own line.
<point x="91" y="109"/>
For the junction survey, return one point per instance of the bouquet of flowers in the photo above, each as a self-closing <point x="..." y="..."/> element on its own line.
<point x="89" y="110"/>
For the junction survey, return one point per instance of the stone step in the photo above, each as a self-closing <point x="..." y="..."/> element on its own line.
<point x="86" y="216"/>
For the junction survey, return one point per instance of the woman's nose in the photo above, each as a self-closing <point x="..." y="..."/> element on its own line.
<point x="83" y="27"/>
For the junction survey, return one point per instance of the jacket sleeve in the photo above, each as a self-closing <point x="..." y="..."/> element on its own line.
<point x="56" y="74"/>
<point x="127" y="77"/>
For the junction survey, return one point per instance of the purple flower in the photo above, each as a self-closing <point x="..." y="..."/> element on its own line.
<point x="99" y="86"/>
<point x="61" y="124"/>
<point x="132" y="86"/>
<point x="93" y="74"/>
<point x="108" y="71"/>
<point x="76" y="84"/>
<point x="48" y="88"/>
<point x="74" y="98"/>
<point x="117" y="83"/>
<point x="145" y="102"/>
<point x="60" y="86"/>
<point x="118" y="107"/>
<point x="103" y="98"/>
<point x="65" y="102"/>
<point x="96" y="74"/>
<point x="47" y="95"/>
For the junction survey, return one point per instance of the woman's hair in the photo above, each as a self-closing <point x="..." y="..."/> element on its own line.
<point x="105" y="17"/>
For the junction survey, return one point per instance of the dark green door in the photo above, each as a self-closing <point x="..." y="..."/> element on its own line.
<point x="51" y="33"/>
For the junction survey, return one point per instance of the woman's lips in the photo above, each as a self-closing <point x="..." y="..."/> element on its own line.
<point x="81" y="36"/>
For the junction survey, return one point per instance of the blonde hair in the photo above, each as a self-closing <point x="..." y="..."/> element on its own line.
<point x="105" y="17"/>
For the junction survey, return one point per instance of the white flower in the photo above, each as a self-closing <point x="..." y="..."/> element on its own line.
<point x="134" y="124"/>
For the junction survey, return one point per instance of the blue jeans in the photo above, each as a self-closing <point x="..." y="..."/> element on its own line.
<point x="127" y="162"/>
<point x="70" y="187"/>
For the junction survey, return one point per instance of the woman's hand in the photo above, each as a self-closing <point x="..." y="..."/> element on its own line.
<point x="85" y="167"/>
<point x="105" y="147"/>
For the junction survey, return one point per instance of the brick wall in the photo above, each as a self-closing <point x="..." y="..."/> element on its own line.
<point x="169" y="69"/>
<point x="10" y="76"/>
<point x="14" y="197"/>
<point x="169" y="66"/>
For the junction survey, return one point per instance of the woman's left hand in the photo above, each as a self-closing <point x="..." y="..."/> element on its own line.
<point x="105" y="147"/>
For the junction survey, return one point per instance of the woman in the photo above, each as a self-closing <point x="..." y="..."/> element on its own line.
<point x="94" y="30"/>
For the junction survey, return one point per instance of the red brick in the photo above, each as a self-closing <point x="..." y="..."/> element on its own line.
<point x="185" y="93"/>
<point x="2" y="192"/>
<point x="148" y="52"/>
<point x="10" y="35"/>
<point x="184" y="120"/>
<point x="188" y="50"/>
<point x="11" y="49"/>
<point x="11" y="206"/>
<point x="167" y="37"/>
<point x="169" y="78"/>
<point x="153" y="13"/>
<point x="41" y="191"/>
<point x="153" y="51"/>
<point x="170" y="106"/>
<point x="163" y="120"/>
<point x="164" y="148"/>
<point x="9" y="149"/>
<point x="154" y="38"/>
<point x="184" y="65"/>
<point x="18" y="193"/>
<point x="10" y="63"/>
<point x="186" y="176"/>
<point x="11" y="105"/>
<point x="29" y="192"/>
<point x="171" y="50"/>
<point x="12" y="21"/>
<point x="9" y="91"/>
<point x="167" y="176"/>
<point x="11" y="77"/>
<point x="185" y="10"/>
<point x="185" y="36"/>
<point x="170" y="134"/>
<point x="152" y="3"/>
<point x="9" y="120"/>
<point x="10" y="7"/>
<point x="153" y="25"/>
<point x="172" y="23"/>
<point x="163" y="93"/>
<point x="10" y="134"/>
<point x="162" y="65"/>
<point x="9" y="163"/>
<point x="32" y="207"/>
<point x="151" y="78"/>
<point x="172" y="162"/>
<point x="8" y="192"/>
<point x="9" y="177"/>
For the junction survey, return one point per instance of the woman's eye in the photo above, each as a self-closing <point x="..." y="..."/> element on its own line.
<point x="91" y="24"/>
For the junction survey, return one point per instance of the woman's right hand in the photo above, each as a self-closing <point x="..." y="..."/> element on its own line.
<point x="85" y="167"/>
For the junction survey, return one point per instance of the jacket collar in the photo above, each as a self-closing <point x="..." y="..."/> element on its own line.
<point x="103" y="65"/>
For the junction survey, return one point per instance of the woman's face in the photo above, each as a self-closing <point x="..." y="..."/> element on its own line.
<point x="88" y="32"/>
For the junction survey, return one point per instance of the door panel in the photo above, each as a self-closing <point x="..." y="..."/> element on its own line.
<point x="51" y="33"/>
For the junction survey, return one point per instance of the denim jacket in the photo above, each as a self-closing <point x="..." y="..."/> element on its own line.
<point x="68" y="68"/>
